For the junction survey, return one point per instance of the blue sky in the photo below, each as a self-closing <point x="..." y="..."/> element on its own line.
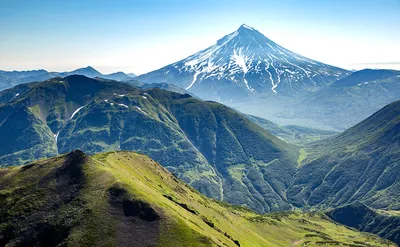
<point x="140" y="36"/>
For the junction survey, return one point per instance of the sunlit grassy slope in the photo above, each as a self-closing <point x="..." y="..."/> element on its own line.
<point x="127" y="199"/>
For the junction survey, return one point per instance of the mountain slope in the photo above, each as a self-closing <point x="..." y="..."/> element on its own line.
<point x="360" y="165"/>
<point x="87" y="71"/>
<point x="9" y="79"/>
<point x="347" y="101"/>
<point x="209" y="146"/>
<point x="165" y="86"/>
<point x="243" y="64"/>
<point x="365" y="219"/>
<point x="126" y="199"/>
<point x="118" y="76"/>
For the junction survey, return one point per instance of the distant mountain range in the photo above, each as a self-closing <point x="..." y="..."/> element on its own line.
<point x="12" y="78"/>
<point x="215" y="149"/>
<point x="346" y="101"/>
<point x="337" y="106"/>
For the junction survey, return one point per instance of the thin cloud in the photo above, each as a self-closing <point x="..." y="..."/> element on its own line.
<point x="378" y="63"/>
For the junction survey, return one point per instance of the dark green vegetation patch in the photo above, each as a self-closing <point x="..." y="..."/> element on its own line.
<point x="365" y="219"/>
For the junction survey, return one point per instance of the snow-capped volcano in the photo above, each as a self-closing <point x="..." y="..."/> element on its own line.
<point x="246" y="63"/>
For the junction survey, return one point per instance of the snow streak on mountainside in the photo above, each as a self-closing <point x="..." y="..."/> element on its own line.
<point x="246" y="63"/>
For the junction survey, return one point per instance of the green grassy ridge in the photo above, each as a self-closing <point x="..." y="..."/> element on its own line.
<point x="112" y="199"/>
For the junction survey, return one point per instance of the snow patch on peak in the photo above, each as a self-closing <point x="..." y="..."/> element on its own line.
<point x="194" y="80"/>
<point x="140" y="110"/>
<point x="247" y="27"/>
<point x="247" y="85"/>
<point x="119" y="95"/>
<point x="75" y="112"/>
<point x="56" y="136"/>
<point x="240" y="59"/>
<point x="123" y="105"/>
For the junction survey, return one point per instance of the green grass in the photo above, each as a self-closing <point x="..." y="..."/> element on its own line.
<point x="302" y="156"/>
<point x="146" y="185"/>
<point x="150" y="182"/>
<point x="388" y="212"/>
<point x="187" y="218"/>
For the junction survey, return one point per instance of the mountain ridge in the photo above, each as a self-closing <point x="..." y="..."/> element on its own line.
<point x="352" y="98"/>
<point x="338" y="106"/>
<point x="9" y="79"/>
<point x="127" y="199"/>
